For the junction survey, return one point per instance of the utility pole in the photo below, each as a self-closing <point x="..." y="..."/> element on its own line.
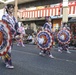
<point x="16" y="8"/>
<point x="65" y="11"/>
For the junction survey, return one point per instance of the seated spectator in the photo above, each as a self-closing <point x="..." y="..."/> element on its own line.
<point x="29" y="38"/>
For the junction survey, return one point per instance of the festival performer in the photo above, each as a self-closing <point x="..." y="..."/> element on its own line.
<point x="20" y="36"/>
<point x="10" y="19"/>
<point x="46" y="27"/>
<point x="64" y="47"/>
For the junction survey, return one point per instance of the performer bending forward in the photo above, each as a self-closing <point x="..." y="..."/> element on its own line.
<point x="61" y="46"/>
<point x="10" y="19"/>
<point x="46" y="27"/>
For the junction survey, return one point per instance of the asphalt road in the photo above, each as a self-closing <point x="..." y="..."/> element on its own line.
<point x="28" y="62"/>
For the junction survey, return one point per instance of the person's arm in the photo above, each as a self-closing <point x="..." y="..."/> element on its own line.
<point x="16" y="23"/>
<point x="50" y="27"/>
<point x="16" y="26"/>
<point x="68" y="28"/>
<point x="45" y="26"/>
<point x="5" y="18"/>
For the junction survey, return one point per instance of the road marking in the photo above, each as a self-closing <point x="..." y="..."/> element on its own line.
<point x="24" y="52"/>
<point x="43" y="56"/>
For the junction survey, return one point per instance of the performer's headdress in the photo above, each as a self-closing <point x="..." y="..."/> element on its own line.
<point x="64" y="23"/>
<point x="47" y="18"/>
<point x="9" y="6"/>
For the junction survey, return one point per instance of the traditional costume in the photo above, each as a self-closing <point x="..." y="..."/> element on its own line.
<point x="19" y="37"/>
<point x="10" y="19"/>
<point x="64" y="37"/>
<point x="45" y="39"/>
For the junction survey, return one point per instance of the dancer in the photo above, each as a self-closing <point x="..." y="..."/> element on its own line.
<point x="21" y="35"/>
<point x="64" y="47"/>
<point x="46" y="27"/>
<point x="10" y="19"/>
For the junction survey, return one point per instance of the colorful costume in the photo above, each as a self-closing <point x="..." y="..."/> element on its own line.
<point x="64" y="37"/>
<point x="19" y="38"/>
<point x="45" y="39"/>
<point x="13" y="27"/>
<point x="47" y="26"/>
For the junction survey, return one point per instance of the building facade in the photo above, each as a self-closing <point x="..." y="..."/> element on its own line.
<point x="35" y="15"/>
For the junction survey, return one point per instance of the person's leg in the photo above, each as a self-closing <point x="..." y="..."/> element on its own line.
<point x="68" y="51"/>
<point x="50" y="54"/>
<point x="67" y="48"/>
<point x="42" y="52"/>
<point x="21" y="40"/>
<point x="59" y="48"/>
<point x="8" y="60"/>
<point x="17" y="40"/>
<point x="18" y="44"/>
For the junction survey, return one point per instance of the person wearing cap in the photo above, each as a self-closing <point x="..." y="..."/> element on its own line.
<point x="47" y="26"/>
<point x="13" y="24"/>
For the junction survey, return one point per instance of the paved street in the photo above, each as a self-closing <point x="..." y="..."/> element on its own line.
<point x="27" y="62"/>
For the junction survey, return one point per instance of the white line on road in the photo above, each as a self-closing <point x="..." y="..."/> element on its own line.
<point x="38" y="55"/>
